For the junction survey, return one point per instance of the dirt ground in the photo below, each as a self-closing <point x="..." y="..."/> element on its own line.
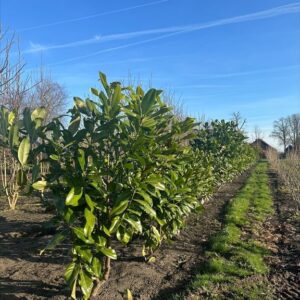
<point x="280" y="233"/>
<point x="285" y="228"/>
<point x="26" y="275"/>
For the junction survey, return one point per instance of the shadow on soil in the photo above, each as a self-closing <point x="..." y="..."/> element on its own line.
<point x="10" y="288"/>
<point x="24" y="240"/>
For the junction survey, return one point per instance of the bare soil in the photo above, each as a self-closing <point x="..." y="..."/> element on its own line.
<point x="24" y="274"/>
<point x="285" y="228"/>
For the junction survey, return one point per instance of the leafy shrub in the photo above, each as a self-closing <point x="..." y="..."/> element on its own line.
<point x="226" y="147"/>
<point x="123" y="168"/>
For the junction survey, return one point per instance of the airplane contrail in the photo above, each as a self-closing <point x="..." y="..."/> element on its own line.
<point x="173" y="31"/>
<point x="91" y="16"/>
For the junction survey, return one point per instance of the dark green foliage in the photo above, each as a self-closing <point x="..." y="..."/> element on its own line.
<point x="224" y="144"/>
<point x="123" y="168"/>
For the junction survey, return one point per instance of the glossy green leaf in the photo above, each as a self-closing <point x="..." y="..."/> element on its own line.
<point x="11" y="117"/>
<point x="95" y="92"/>
<point x="74" y="125"/>
<point x="128" y="112"/>
<point x="96" y="267"/>
<point x="156" y="233"/>
<point x="54" y="157"/>
<point x="80" y="234"/>
<point x="119" y="208"/>
<point x="86" y="283"/>
<point x="71" y="272"/>
<point x="135" y="224"/>
<point x="114" y="224"/>
<point x="156" y="182"/>
<point x="81" y="159"/>
<point x="85" y="254"/>
<point x="74" y="196"/>
<point x="74" y="286"/>
<point x="40" y="185"/>
<point x="68" y="214"/>
<point x="103" y="80"/>
<point x="145" y="196"/>
<point x="90" y="220"/>
<point x="91" y="105"/>
<point x="39" y="113"/>
<point x="111" y="253"/>
<point x="89" y="202"/>
<point x="148" y="100"/>
<point x="124" y="236"/>
<point x="146" y="207"/>
<point x="23" y="151"/>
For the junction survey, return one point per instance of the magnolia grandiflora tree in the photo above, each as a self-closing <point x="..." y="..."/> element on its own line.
<point x="117" y="171"/>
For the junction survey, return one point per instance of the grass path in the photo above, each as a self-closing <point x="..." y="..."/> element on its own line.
<point x="235" y="256"/>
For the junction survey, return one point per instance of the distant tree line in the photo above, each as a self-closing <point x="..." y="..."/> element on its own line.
<point x="287" y="131"/>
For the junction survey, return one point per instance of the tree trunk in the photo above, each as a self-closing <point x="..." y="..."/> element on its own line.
<point x="98" y="284"/>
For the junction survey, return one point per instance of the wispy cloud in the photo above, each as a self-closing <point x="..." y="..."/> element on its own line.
<point x="269" y="104"/>
<point x="91" y="16"/>
<point x="245" y="73"/>
<point x="36" y="47"/>
<point x="128" y="60"/>
<point x="203" y="86"/>
<point x="113" y="49"/>
<point x="171" y="31"/>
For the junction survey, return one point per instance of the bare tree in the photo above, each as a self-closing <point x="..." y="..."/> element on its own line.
<point x="238" y="120"/>
<point x="294" y="125"/>
<point x="18" y="90"/>
<point x="258" y="134"/>
<point x="281" y="131"/>
<point x="12" y="94"/>
<point x="13" y="83"/>
<point x="49" y="94"/>
<point x="169" y="97"/>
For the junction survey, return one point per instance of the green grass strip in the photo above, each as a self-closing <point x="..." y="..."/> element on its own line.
<point x="233" y="254"/>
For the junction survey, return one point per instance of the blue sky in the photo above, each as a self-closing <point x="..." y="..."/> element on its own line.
<point x="217" y="57"/>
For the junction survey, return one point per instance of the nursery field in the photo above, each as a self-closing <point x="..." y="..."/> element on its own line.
<point x="180" y="269"/>
<point x="122" y="198"/>
<point x="174" y="177"/>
